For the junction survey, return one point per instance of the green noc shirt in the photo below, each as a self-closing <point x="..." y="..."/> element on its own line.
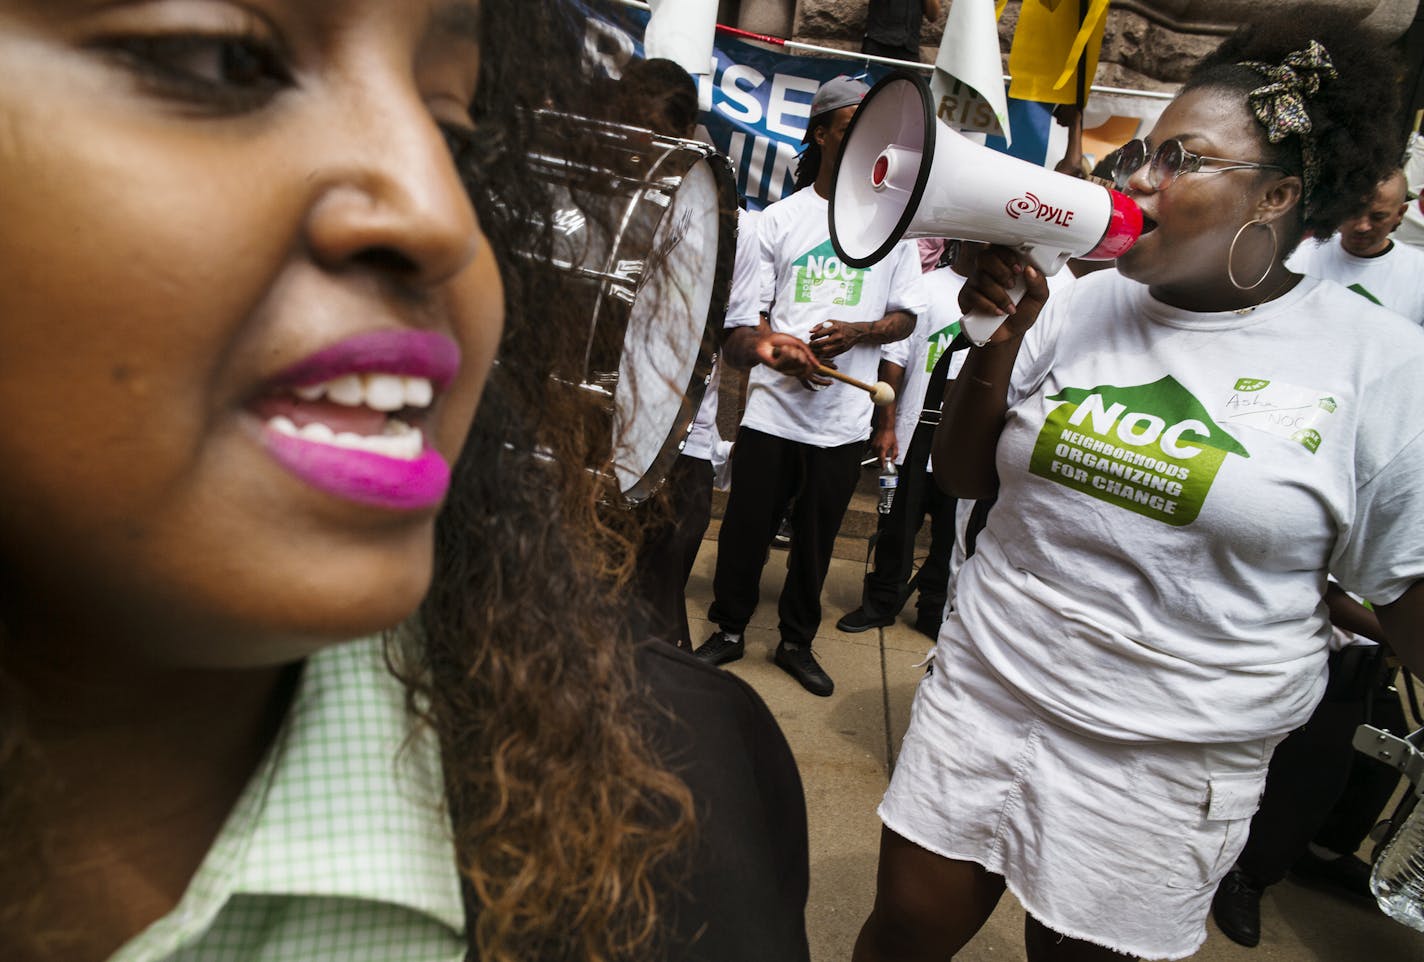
<point x="339" y="848"/>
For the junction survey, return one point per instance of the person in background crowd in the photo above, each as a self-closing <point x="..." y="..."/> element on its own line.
<point x="1366" y="259"/>
<point x="804" y="438"/>
<point x="658" y="94"/>
<point x="888" y="585"/>
<point x="260" y="262"/>
<point x="914" y="414"/>
<point x="1411" y="229"/>
<point x="670" y="548"/>
<point x="892" y="27"/>
<point x="1322" y="797"/>
<point x="1182" y="449"/>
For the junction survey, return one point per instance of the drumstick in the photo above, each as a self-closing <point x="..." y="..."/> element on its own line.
<point x="881" y="393"/>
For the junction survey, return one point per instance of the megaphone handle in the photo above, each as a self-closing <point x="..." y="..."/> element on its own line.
<point x="979" y="326"/>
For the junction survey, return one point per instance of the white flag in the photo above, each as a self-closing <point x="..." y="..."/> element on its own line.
<point x="968" y="80"/>
<point x="682" y="31"/>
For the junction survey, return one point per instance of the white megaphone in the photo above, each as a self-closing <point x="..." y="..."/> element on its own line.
<point x="903" y="174"/>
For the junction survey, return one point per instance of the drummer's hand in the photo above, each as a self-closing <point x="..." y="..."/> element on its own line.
<point x="814" y="381"/>
<point x="830" y="338"/>
<point x="786" y="354"/>
<point x="995" y="270"/>
<point x="883" y="444"/>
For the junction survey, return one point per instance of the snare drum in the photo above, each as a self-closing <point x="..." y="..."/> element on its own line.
<point x="646" y="236"/>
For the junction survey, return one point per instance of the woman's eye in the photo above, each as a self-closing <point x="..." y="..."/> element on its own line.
<point x="223" y="73"/>
<point x="472" y="148"/>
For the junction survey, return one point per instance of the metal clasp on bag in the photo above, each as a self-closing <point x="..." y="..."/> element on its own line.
<point x="1398" y="753"/>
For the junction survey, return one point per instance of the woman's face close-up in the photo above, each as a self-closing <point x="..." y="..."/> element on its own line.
<point x="246" y="315"/>
<point x="1192" y="221"/>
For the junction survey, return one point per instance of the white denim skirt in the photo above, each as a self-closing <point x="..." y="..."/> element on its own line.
<point x="1116" y="843"/>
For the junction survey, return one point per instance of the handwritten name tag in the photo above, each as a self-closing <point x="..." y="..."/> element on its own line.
<point x="1289" y="411"/>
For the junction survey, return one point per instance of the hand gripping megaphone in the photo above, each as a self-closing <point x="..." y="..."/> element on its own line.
<point x="903" y="174"/>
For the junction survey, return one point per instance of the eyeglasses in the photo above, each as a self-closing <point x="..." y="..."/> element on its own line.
<point x="1170" y="160"/>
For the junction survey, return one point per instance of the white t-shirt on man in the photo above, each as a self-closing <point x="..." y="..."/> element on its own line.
<point x="804" y="284"/>
<point x="935" y="329"/>
<point x="743" y="310"/>
<point x="1174" y="488"/>
<point x="1411" y="229"/>
<point x="1394" y="279"/>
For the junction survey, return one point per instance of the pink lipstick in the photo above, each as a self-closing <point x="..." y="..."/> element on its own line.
<point x="347" y="420"/>
<point x="362" y="476"/>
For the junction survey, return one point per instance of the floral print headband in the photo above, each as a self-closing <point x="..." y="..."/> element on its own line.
<point x="1280" y="105"/>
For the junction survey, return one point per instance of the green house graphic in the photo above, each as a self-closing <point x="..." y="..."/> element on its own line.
<point x="1361" y="290"/>
<point x="821" y="277"/>
<point x="940" y="341"/>
<point x="1150" y="448"/>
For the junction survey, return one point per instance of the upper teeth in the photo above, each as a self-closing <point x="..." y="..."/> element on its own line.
<point x="380" y="392"/>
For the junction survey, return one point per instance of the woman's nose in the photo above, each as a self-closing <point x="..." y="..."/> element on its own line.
<point x="390" y="196"/>
<point x="1140" y="179"/>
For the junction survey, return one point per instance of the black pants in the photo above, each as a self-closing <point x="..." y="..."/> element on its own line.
<point x="1319" y="789"/>
<point x="666" y="557"/>
<point x="887" y="586"/>
<point x="767" y="472"/>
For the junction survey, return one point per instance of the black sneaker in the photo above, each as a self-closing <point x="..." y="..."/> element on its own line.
<point x="800" y="664"/>
<point x="720" y="649"/>
<point x="1346" y="875"/>
<point x="1236" y="907"/>
<point x="854" y="622"/>
<point x="928" y="626"/>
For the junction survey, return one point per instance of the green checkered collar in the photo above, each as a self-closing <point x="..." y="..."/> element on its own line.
<point x="347" y="804"/>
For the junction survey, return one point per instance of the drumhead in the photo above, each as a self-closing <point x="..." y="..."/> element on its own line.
<point x="666" y="325"/>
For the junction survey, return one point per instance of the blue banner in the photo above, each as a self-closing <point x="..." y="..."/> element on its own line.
<point x="1032" y="125"/>
<point x="757" y="106"/>
<point x="757" y="103"/>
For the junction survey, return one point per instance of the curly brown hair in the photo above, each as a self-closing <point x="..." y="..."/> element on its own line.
<point x="567" y="828"/>
<point x="22" y="848"/>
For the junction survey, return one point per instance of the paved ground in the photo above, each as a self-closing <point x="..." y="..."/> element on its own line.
<point x="846" y="744"/>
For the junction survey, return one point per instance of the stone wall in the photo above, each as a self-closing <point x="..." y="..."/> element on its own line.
<point x="1148" y="44"/>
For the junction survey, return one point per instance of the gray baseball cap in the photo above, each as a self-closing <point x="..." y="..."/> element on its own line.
<point x="834" y="94"/>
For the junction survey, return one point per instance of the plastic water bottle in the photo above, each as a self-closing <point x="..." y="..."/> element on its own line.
<point x="888" y="483"/>
<point x="1398" y="877"/>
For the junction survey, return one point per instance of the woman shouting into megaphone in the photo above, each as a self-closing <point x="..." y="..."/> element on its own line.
<point x="1182" y="450"/>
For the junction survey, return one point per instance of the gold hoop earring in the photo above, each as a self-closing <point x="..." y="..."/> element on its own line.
<point x="1231" y="255"/>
